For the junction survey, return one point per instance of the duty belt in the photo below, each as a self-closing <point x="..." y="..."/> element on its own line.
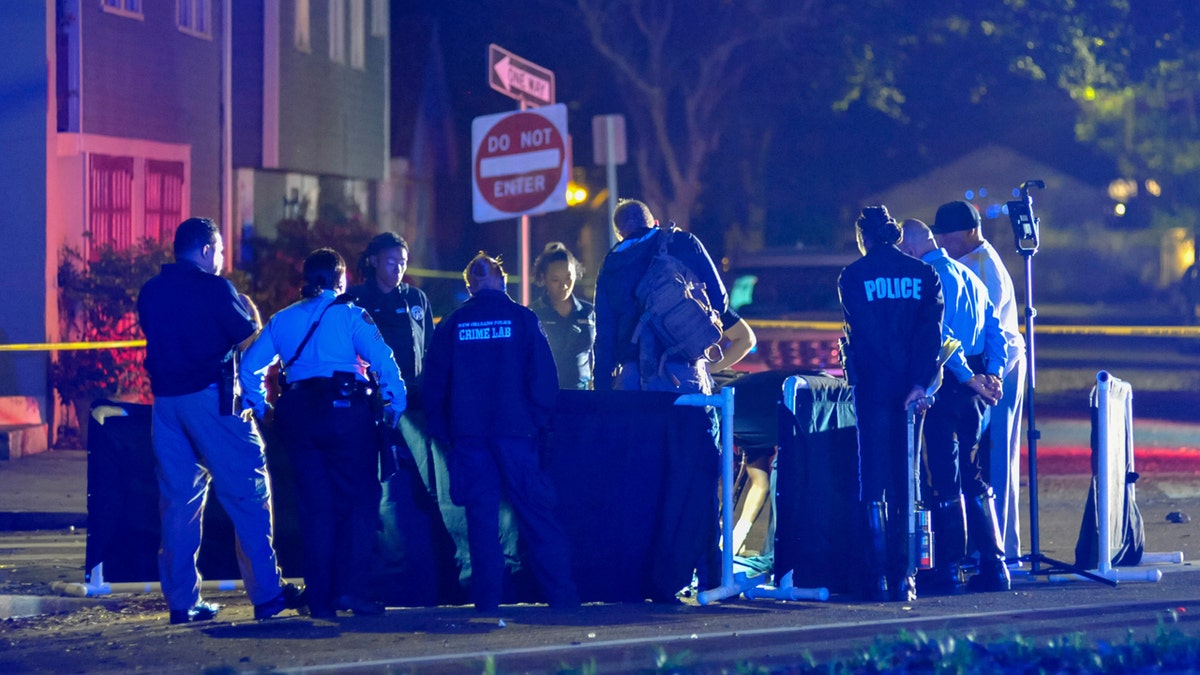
<point x="328" y="385"/>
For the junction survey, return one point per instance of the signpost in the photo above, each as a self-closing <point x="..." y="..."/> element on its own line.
<point x="515" y="161"/>
<point x="608" y="149"/>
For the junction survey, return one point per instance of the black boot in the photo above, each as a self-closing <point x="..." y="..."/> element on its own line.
<point x="981" y="519"/>
<point x="902" y="580"/>
<point x="949" y="545"/>
<point x="877" y="585"/>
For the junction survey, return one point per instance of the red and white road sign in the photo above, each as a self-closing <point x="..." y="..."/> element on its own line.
<point x="519" y="161"/>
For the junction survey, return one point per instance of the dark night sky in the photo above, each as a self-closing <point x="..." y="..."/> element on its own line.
<point x="817" y="165"/>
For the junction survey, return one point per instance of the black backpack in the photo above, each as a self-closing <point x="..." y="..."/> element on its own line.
<point x="675" y="306"/>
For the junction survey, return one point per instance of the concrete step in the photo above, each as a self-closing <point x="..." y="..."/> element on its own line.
<point x="22" y="440"/>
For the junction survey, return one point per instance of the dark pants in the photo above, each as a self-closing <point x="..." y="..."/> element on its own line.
<point x="335" y="462"/>
<point x="952" y="431"/>
<point x="882" y="448"/>
<point x="482" y="471"/>
<point x="415" y="562"/>
<point x="884" y="474"/>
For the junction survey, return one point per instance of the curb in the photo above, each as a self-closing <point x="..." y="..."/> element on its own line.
<point x="14" y="521"/>
<point x="26" y="606"/>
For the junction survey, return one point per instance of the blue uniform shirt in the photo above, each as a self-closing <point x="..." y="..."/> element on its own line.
<point x="970" y="317"/>
<point x="345" y="335"/>
<point x="192" y="320"/>
<point x="571" y="339"/>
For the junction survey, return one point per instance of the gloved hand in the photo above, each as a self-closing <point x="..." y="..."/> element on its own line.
<point x="392" y="413"/>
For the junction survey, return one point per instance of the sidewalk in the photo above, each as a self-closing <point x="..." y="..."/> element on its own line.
<point x="48" y="491"/>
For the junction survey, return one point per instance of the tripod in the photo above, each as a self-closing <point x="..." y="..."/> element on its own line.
<point x="1025" y="234"/>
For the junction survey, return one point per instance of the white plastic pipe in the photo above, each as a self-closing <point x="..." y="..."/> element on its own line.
<point x="1114" y="574"/>
<point x="786" y="591"/>
<point x="729" y="587"/>
<point x="1110" y="392"/>
<point x="96" y="585"/>
<point x="1104" y="385"/>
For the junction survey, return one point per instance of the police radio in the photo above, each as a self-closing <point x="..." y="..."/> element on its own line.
<point x="1024" y="223"/>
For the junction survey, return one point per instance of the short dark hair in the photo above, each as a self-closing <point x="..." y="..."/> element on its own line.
<point x="481" y="267"/>
<point x="194" y="234"/>
<point x="632" y="215"/>
<point x="876" y="223"/>
<point x="378" y="244"/>
<point x="555" y="251"/>
<point x="323" y="268"/>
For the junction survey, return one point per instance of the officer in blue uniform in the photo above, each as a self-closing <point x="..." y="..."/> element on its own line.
<point x="953" y="426"/>
<point x="490" y="389"/>
<point x="412" y="534"/>
<point x="569" y="323"/>
<point x="327" y="424"/>
<point x="893" y="311"/>
<point x="195" y="323"/>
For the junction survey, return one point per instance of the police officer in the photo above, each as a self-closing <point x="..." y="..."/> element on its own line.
<point x="953" y="426"/>
<point x="195" y="323"/>
<point x="893" y="311"/>
<point x="327" y="424"/>
<point x="490" y="389"/>
<point x="569" y="323"/>
<point x="410" y="539"/>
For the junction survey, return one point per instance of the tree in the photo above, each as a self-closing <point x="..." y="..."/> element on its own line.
<point x="679" y="65"/>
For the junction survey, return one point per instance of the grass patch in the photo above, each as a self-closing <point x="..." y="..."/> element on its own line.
<point x="1168" y="651"/>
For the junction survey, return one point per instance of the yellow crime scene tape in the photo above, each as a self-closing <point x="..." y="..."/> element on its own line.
<point x="1042" y="329"/>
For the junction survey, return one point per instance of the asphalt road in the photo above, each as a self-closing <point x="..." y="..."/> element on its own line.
<point x="131" y="632"/>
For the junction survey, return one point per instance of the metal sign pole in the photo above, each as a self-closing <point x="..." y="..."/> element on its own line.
<point x="523" y="243"/>
<point x="611" y="171"/>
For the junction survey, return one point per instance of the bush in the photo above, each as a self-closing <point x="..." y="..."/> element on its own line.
<point x="97" y="302"/>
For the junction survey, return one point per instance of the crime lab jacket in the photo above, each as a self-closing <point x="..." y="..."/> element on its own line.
<point x="893" y="309"/>
<point x="489" y="371"/>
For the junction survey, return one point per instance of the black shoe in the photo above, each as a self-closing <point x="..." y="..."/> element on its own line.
<point x="360" y="607"/>
<point x="290" y="596"/>
<point x="270" y="608"/>
<point x="203" y="611"/>
<point x="326" y="614"/>
<point x="294" y="596"/>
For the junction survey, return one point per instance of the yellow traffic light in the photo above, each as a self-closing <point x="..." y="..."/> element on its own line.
<point x="575" y="194"/>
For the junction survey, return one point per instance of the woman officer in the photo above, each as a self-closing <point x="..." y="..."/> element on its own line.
<point x="326" y="422"/>
<point x="569" y="323"/>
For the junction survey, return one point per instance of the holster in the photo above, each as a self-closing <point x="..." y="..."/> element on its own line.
<point x="846" y="356"/>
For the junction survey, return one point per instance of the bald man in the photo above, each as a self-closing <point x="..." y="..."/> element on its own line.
<point x="953" y="426"/>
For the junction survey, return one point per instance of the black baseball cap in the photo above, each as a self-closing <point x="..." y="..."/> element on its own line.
<point x="955" y="216"/>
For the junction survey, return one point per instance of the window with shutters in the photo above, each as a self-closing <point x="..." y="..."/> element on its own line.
<point x="110" y="202"/>
<point x="379" y="18"/>
<point x="164" y="199"/>
<point x="128" y="8"/>
<point x="358" y="35"/>
<point x="337" y="31"/>
<point x="194" y="17"/>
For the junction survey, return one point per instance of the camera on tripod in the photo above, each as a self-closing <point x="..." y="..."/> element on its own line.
<point x="1024" y="223"/>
